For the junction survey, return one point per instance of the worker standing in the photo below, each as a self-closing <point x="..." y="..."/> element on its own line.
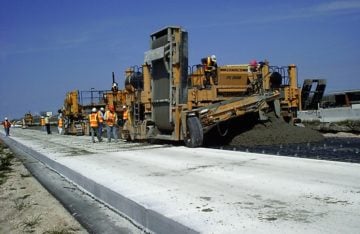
<point x="47" y="124"/>
<point x="7" y="126"/>
<point x="210" y="67"/>
<point x="93" y="119"/>
<point x="100" y="116"/>
<point x="110" y="118"/>
<point x="60" y="124"/>
<point x="253" y="66"/>
<point x="125" y="114"/>
<point x="42" y="123"/>
<point x="124" y="119"/>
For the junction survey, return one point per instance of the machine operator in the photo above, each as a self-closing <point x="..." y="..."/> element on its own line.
<point x="210" y="67"/>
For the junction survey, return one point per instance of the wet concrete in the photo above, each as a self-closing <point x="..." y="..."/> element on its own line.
<point x="248" y="131"/>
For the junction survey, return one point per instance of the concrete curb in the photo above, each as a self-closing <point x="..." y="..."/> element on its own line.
<point x="150" y="220"/>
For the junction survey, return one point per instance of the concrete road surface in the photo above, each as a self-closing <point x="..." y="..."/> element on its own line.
<point x="170" y="189"/>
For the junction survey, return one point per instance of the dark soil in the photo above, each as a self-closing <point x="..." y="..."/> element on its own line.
<point x="341" y="149"/>
<point x="249" y="131"/>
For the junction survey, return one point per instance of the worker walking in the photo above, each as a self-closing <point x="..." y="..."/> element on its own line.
<point x="42" y="123"/>
<point x="100" y="115"/>
<point x="110" y="118"/>
<point x="47" y="124"/>
<point x="93" y="119"/>
<point x="7" y="126"/>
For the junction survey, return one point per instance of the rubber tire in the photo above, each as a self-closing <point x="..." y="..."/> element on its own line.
<point x="195" y="135"/>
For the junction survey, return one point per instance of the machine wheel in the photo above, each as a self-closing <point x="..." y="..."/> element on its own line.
<point x="194" y="136"/>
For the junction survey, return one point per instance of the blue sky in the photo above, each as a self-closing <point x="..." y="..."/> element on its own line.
<point x="48" y="48"/>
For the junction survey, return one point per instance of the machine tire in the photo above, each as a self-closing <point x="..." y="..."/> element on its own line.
<point x="194" y="136"/>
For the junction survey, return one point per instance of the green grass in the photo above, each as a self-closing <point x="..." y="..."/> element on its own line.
<point x="30" y="223"/>
<point x="19" y="204"/>
<point x="5" y="158"/>
<point x="62" y="230"/>
<point x="25" y="175"/>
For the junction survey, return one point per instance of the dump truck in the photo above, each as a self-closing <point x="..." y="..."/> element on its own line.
<point x="166" y="103"/>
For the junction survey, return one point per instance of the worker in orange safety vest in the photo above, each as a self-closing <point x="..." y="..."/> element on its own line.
<point x="93" y="120"/>
<point x="7" y="126"/>
<point x="111" y="119"/>
<point x="210" y="67"/>
<point x="125" y="114"/>
<point x="42" y="123"/>
<point x="60" y="124"/>
<point x="100" y="115"/>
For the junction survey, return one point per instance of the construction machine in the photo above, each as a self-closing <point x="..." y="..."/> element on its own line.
<point x="78" y="104"/>
<point x="28" y="119"/>
<point x="165" y="103"/>
<point x="241" y="80"/>
<point x="73" y="114"/>
<point x="115" y="97"/>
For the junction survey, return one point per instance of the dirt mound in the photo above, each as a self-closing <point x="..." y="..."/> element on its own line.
<point x="249" y="131"/>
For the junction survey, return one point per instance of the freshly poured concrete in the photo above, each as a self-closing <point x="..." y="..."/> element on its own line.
<point x="207" y="190"/>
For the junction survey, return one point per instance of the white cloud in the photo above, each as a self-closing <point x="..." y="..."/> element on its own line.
<point x="337" y="6"/>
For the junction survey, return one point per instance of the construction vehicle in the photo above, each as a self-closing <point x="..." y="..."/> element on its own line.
<point x="28" y="119"/>
<point x="246" y="79"/>
<point x="165" y="103"/>
<point x="115" y="97"/>
<point x="73" y="114"/>
<point x="78" y="104"/>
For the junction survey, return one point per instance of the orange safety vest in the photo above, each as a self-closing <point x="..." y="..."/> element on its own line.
<point x="209" y="64"/>
<point x="7" y="124"/>
<point x="110" y="118"/>
<point x="100" y="117"/>
<point x="60" y="123"/>
<point x="93" y="120"/>
<point x="42" y="122"/>
<point x="125" y="115"/>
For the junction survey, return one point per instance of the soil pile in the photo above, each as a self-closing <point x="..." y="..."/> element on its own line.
<point x="249" y="131"/>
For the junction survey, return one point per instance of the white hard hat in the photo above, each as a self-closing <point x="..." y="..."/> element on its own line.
<point x="93" y="109"/>
<point x="102" y="108"/>
<point x="213" y="58"/>
<point x="6" y="118"/>
<point x="124" y="106"/>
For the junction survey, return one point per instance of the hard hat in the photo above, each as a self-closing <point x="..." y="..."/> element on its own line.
<point x="6" y="118"/>
<point x="124" y="106"/>
<point x="93" y="109"/>
<point x="42" y="117"/>
<point x="102" y="108"/>
<point x="213" y="58"/>
<point x="253" y="62"/>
